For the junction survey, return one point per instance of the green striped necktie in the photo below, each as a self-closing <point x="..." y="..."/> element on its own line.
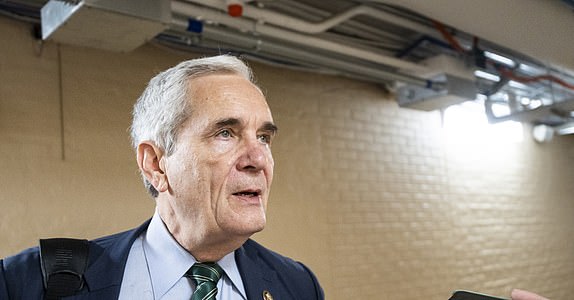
<point x="205" y="276"/>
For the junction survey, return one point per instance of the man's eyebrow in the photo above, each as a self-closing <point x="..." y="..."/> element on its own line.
<point x="233" y="122"/>
<point x="227" y="122"/>
<point x="268" y="126"/>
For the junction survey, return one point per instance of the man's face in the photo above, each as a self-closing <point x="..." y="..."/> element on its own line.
<point x="220" y="173"/>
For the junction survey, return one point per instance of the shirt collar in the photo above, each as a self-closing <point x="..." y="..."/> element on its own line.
<point x="168" y="261"/>
<point x="229" y="265"/>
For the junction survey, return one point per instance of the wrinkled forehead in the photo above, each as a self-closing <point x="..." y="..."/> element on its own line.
<point x="227" y="94"/>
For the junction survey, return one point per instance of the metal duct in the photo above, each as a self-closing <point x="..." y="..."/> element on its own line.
<point x="105" y="24"/>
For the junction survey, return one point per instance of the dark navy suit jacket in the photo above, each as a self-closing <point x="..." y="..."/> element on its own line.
<point x="261" y="270"/>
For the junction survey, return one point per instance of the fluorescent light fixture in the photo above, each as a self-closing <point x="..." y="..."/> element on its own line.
<point x="517" y="85"/>
<point x="486" y="75"/>
<point x="565" y="129"/>
<point x="529" y="69"/>
<point x="499" y="58"/>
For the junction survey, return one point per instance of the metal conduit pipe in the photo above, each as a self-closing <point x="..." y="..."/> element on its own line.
<point x="521" y="116"/>
<point x="291" y="23"/>
<point x="203" y="13"/>
<point x="351" y="26"/>
<point x="527" y="115"/>
<point x="260" y="46"/>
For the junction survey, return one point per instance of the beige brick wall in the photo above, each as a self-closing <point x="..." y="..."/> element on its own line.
<point x="361" y="187"/>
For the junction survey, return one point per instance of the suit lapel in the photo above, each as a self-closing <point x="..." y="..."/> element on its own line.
<point x="108" y="257"/>
<point x="107" y="260"/>
<point x="256" y="278"/>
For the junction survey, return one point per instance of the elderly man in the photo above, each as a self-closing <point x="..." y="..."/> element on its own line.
<point x="202" y="131"/>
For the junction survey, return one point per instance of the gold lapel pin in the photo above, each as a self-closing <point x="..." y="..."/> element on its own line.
<point x="267" y="295"/>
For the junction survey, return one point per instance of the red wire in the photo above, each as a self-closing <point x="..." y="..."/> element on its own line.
<point x="505" y="72"/>
<point x="447" y="36"/>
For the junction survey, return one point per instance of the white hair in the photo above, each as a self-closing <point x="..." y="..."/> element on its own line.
<point x="164" y="104"/>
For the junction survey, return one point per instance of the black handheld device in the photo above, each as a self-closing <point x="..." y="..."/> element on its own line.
<point x="468" y="295"/>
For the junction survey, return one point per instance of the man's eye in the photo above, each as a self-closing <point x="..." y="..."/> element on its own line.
<point x="224" y="133"/>
<point x="265" y="139"/>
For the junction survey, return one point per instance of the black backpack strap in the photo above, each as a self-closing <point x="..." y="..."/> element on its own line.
<point x="63" y="264"/>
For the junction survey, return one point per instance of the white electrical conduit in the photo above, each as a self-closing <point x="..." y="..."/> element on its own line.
<point x="351" y="26"/>
<point x="243" y="24"/>
<point x="295" y="24"/>
<point x="259" y="46"/>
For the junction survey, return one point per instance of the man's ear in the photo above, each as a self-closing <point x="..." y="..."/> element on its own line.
<point x="151" y="162"/>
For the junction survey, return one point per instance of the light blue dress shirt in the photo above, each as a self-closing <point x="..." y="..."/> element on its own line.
<point x="157" y="264"/>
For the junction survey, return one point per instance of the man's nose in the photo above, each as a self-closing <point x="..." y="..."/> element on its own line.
<point x="255" y="156"/>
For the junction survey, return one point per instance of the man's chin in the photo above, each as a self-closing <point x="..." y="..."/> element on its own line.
<point x="247" y="229"/>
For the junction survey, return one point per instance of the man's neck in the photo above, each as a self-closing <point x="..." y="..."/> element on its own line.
<point x="213" y="253"/>
<point x="203" y="245"/>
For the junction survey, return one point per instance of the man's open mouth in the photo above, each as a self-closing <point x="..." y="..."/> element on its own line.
<point x="248" y="193"/>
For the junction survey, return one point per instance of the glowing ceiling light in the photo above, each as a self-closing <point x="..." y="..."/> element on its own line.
<point x="499" y="58"/>
<point x="468" y="134"/>
<point x="486" y="75"/>
<point x="542" y="133"/>
<point x="566" y="129"/>
<point x="517" y="85"/>
<point x="534" y="103"/>
<point x="529" y="69"/>
<point x="499" y="110"/>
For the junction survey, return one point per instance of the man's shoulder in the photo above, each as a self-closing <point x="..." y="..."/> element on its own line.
<point x="19" y="272"/>
<point x="31" y="256"/>
<point x="108" y="240"/>
<point x="271" y="257"/>
<point x="257" y="259"/>
<point x="22" y="263"/>
<point x="22" y="274"/>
